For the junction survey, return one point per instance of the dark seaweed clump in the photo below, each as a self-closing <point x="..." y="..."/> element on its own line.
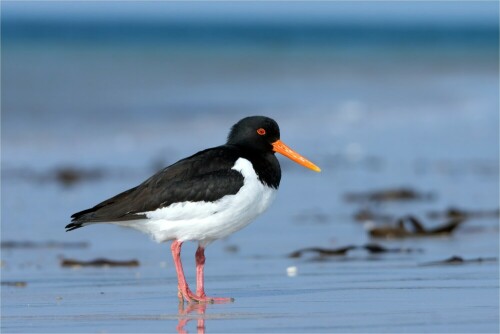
<point x="101" y="262"/>
<point x="341" y="251"/>
<point x="39" y="245"/>
<point x="457" y="260"/>
<point x="395" y="194"/>
<point x="410" y="226"/>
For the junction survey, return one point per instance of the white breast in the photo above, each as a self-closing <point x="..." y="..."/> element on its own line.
<point x="208" y="221"/>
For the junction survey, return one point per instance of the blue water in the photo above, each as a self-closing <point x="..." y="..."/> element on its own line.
<point x="397" y="105"/>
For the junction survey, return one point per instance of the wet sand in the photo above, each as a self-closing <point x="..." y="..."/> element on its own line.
<point x="356" y="292"/>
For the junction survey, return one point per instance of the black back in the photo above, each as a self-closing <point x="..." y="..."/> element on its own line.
<point x="205" y="176"/>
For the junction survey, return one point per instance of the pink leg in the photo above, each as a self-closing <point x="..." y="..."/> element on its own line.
<point x="200" y="281"/>
<point x="184" y="291"/>
<point x="200" y="267"/>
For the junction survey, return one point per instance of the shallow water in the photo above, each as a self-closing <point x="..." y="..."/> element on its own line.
<point x="424" y="117"/>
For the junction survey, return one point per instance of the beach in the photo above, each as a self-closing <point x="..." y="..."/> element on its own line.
<point x="85" y="118"/>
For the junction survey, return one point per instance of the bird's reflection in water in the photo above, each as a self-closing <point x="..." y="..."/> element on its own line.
<point x="185" y="315"/>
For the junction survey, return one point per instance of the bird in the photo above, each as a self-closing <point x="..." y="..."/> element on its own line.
<point x="204" y="197"/>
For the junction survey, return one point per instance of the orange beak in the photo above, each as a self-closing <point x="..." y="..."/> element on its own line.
<point x="280" y="147"/>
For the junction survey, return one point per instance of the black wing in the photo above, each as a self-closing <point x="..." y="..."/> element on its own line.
<point x="205" y="176"/>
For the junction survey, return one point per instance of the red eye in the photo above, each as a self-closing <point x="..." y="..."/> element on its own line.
<point x="261" y="131"/>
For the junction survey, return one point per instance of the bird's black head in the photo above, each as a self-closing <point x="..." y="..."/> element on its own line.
<point x="255" y="132"/>
<point x="262" y="134"/>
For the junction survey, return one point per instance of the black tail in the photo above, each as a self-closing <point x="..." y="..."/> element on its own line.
<point x="73" y="226"/>
<point x="78" y="220"/>
<point x="104" y="212"/>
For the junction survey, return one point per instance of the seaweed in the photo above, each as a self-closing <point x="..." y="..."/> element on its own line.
<point x="45" y="244"/>
<point x="457" y="260"/>
<point x="17" y="284"/>
<point x="410" y="226"/>
<point x="392" y="194"/>
<point x="100" y="262"/>
<point x="455" y="213"/>
<point x="371" y="248"/>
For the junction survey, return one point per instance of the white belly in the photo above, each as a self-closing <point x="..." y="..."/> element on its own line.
<point x="208" y="221"/>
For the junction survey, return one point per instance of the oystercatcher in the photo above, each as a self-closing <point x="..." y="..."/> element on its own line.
<point x="204" y="197"/>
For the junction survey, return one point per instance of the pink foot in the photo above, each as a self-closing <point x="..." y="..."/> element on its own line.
<point x="214" y="300"/>
<point x="184" y="292"/>
<point x="203" y="299"/>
